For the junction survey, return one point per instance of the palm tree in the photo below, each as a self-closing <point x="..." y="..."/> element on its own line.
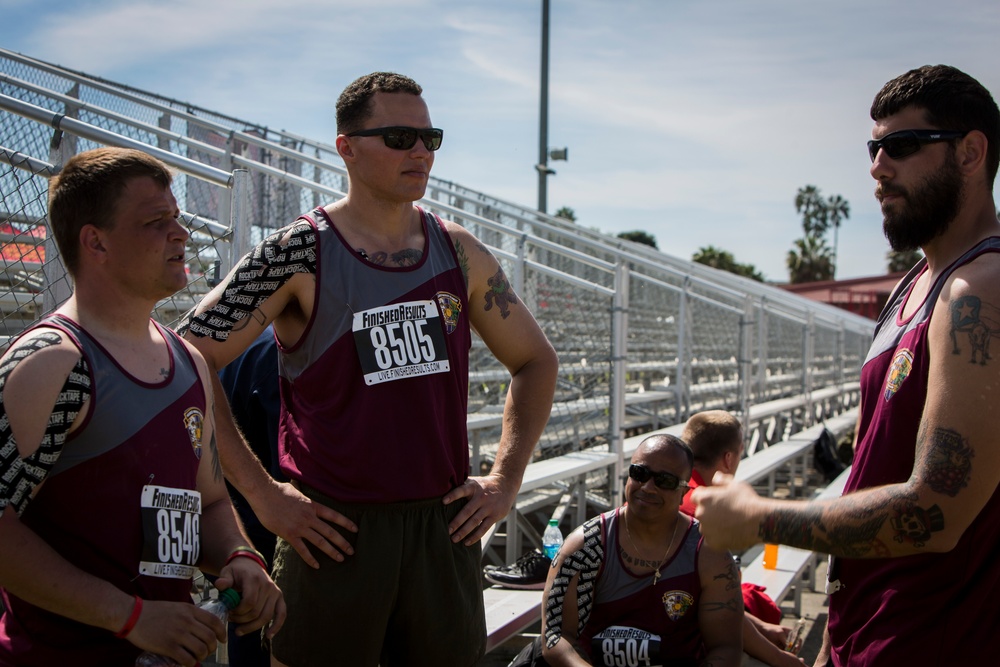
<point x="810" y="260"/>
<point x="809" y="202"/>
<point x="837" y="209"/>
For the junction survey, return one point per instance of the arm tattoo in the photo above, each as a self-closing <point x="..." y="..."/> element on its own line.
<point x="860" y="523"/>
<point x="945" y="460"/>
<point x="587" y="563"/>
<point x="981" y="321"/>
<point x="20" y="476"/>
<point x="500" y="293"/>
<point x="260" y="274"/>
<point x="735" y="601"/>
<point x="463" y="262"/>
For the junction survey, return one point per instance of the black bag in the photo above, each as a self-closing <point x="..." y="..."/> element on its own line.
<point x="825" y="456"/>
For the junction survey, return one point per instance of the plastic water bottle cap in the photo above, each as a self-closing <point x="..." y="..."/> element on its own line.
<point x="230" y="598"/>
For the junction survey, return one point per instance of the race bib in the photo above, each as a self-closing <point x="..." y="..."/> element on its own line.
<point x="400" y="341"/>
<point x="620" y="646"/>
<point x="171" y="529"/>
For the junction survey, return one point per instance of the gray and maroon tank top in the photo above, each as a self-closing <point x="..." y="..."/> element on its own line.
<point x="933" y="608"/>
<point x="375" y="394"/>
<point x="632" y="618"/>
<point x="120" y="503"/>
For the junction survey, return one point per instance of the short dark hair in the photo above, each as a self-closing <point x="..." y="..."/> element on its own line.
<point x="667" y="440"/>
<point x="354" y="106"/>
<point x="711" y="434"/>
<point x="86" y="192"/>
<point x="951" y="100"/>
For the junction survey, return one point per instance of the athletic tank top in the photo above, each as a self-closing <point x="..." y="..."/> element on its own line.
<point x="632" y="617"/>
<point x="926" y="609"/>
<point x="375" y="394"/>
<point x="119" y="504"/>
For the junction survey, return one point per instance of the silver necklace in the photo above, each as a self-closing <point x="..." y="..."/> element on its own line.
<point x="673" y="535"/>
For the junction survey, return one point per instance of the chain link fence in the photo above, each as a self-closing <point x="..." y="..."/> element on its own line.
<point x="644" y="339"/>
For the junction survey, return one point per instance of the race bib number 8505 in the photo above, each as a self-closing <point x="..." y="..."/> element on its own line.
<point x="171" y="529"/>
<point x="400" y="341"/>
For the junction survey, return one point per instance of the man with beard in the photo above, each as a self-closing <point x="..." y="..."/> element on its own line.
<point x="914" y="577"/>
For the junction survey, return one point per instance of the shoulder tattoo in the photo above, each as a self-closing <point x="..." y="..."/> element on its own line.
<point x="20" y="476"/>
<point x="978" y="322"/>
<point x="260" y="274"/>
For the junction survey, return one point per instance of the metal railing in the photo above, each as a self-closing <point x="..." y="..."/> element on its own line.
<point x="624" y="318"/>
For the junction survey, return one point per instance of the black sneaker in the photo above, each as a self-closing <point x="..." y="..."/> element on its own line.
<point x="528" y="572"/>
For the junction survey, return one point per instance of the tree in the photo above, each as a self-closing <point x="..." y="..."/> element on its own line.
<point x="566" y="213"/>
<point x="837" y="209"/>
<point x="639" y="236"/>
<point x="902" y="260"/>
<point x="811" y="259"/>
<point x="724" y="260"/>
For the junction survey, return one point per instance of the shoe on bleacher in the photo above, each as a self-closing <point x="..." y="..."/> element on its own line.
<point x="528" y="572"/>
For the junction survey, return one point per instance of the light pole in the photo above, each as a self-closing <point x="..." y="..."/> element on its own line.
<point x="543" y="116"/>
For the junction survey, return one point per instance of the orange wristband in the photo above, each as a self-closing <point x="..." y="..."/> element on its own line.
<point x="132" y="619"/>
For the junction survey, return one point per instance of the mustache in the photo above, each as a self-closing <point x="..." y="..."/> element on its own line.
<point x="885" y="189"/>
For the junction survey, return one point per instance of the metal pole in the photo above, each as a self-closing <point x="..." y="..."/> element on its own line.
<point x="543" y="121"/>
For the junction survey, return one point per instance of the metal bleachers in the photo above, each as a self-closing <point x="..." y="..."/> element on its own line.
<point x="644" y="339"/>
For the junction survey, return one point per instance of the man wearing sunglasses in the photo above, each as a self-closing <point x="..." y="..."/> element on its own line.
<point x="716" y="441"/>
<point x="637" y="585"/>
<point x="373" y="302"/>
<point x="915" y="536"/>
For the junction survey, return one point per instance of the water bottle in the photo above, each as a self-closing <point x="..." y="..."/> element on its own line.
<point x="552" y="539"/>
<point x="228" y="600"/>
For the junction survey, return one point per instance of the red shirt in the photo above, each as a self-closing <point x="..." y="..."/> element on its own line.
<point x="686" y="505"/>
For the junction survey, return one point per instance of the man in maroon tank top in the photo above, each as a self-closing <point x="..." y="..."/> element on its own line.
<point x="111" y="492"/>
<point x="914" y="537"/>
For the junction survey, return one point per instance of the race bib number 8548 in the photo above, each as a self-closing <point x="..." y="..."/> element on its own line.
<point x="171" y="529"/>
<point x="399" y="341"/>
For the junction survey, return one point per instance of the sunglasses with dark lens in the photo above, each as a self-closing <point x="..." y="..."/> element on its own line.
<point x="404" y="138"/>
<point x="663" y="480"/>
<point x="907" y="142"/>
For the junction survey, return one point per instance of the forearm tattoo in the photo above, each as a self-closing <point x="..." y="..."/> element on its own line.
<point x="260" y="274"/>
<point x="587" y="563"/>
<point x="859" y="522"/>
<point x="980" y="321"/>
<point x="20" y="476"/>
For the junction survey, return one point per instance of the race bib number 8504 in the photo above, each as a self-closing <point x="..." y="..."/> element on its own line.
<point x="171" y="529"/>
<point x="400" y="341"/>
<point x="626" y="647"/>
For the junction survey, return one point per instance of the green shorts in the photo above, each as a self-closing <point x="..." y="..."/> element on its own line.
<point x="408" y="595"/>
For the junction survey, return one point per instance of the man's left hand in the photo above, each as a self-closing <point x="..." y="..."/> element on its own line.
<point x="489" y="500"/>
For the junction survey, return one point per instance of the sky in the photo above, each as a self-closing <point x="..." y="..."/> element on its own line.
<point x="696" y="121"/>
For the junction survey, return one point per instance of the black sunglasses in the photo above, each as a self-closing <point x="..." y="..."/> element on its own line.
<point x="907" y="142"/>
<point x="404" y="138"/>
<point x="663" y="480"/>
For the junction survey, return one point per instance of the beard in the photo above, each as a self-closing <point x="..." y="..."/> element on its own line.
<point x="924" y="213"/>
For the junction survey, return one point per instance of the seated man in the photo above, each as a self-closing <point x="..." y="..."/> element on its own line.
<point x="716" y="441"/>
<point x="637" y="580"/>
